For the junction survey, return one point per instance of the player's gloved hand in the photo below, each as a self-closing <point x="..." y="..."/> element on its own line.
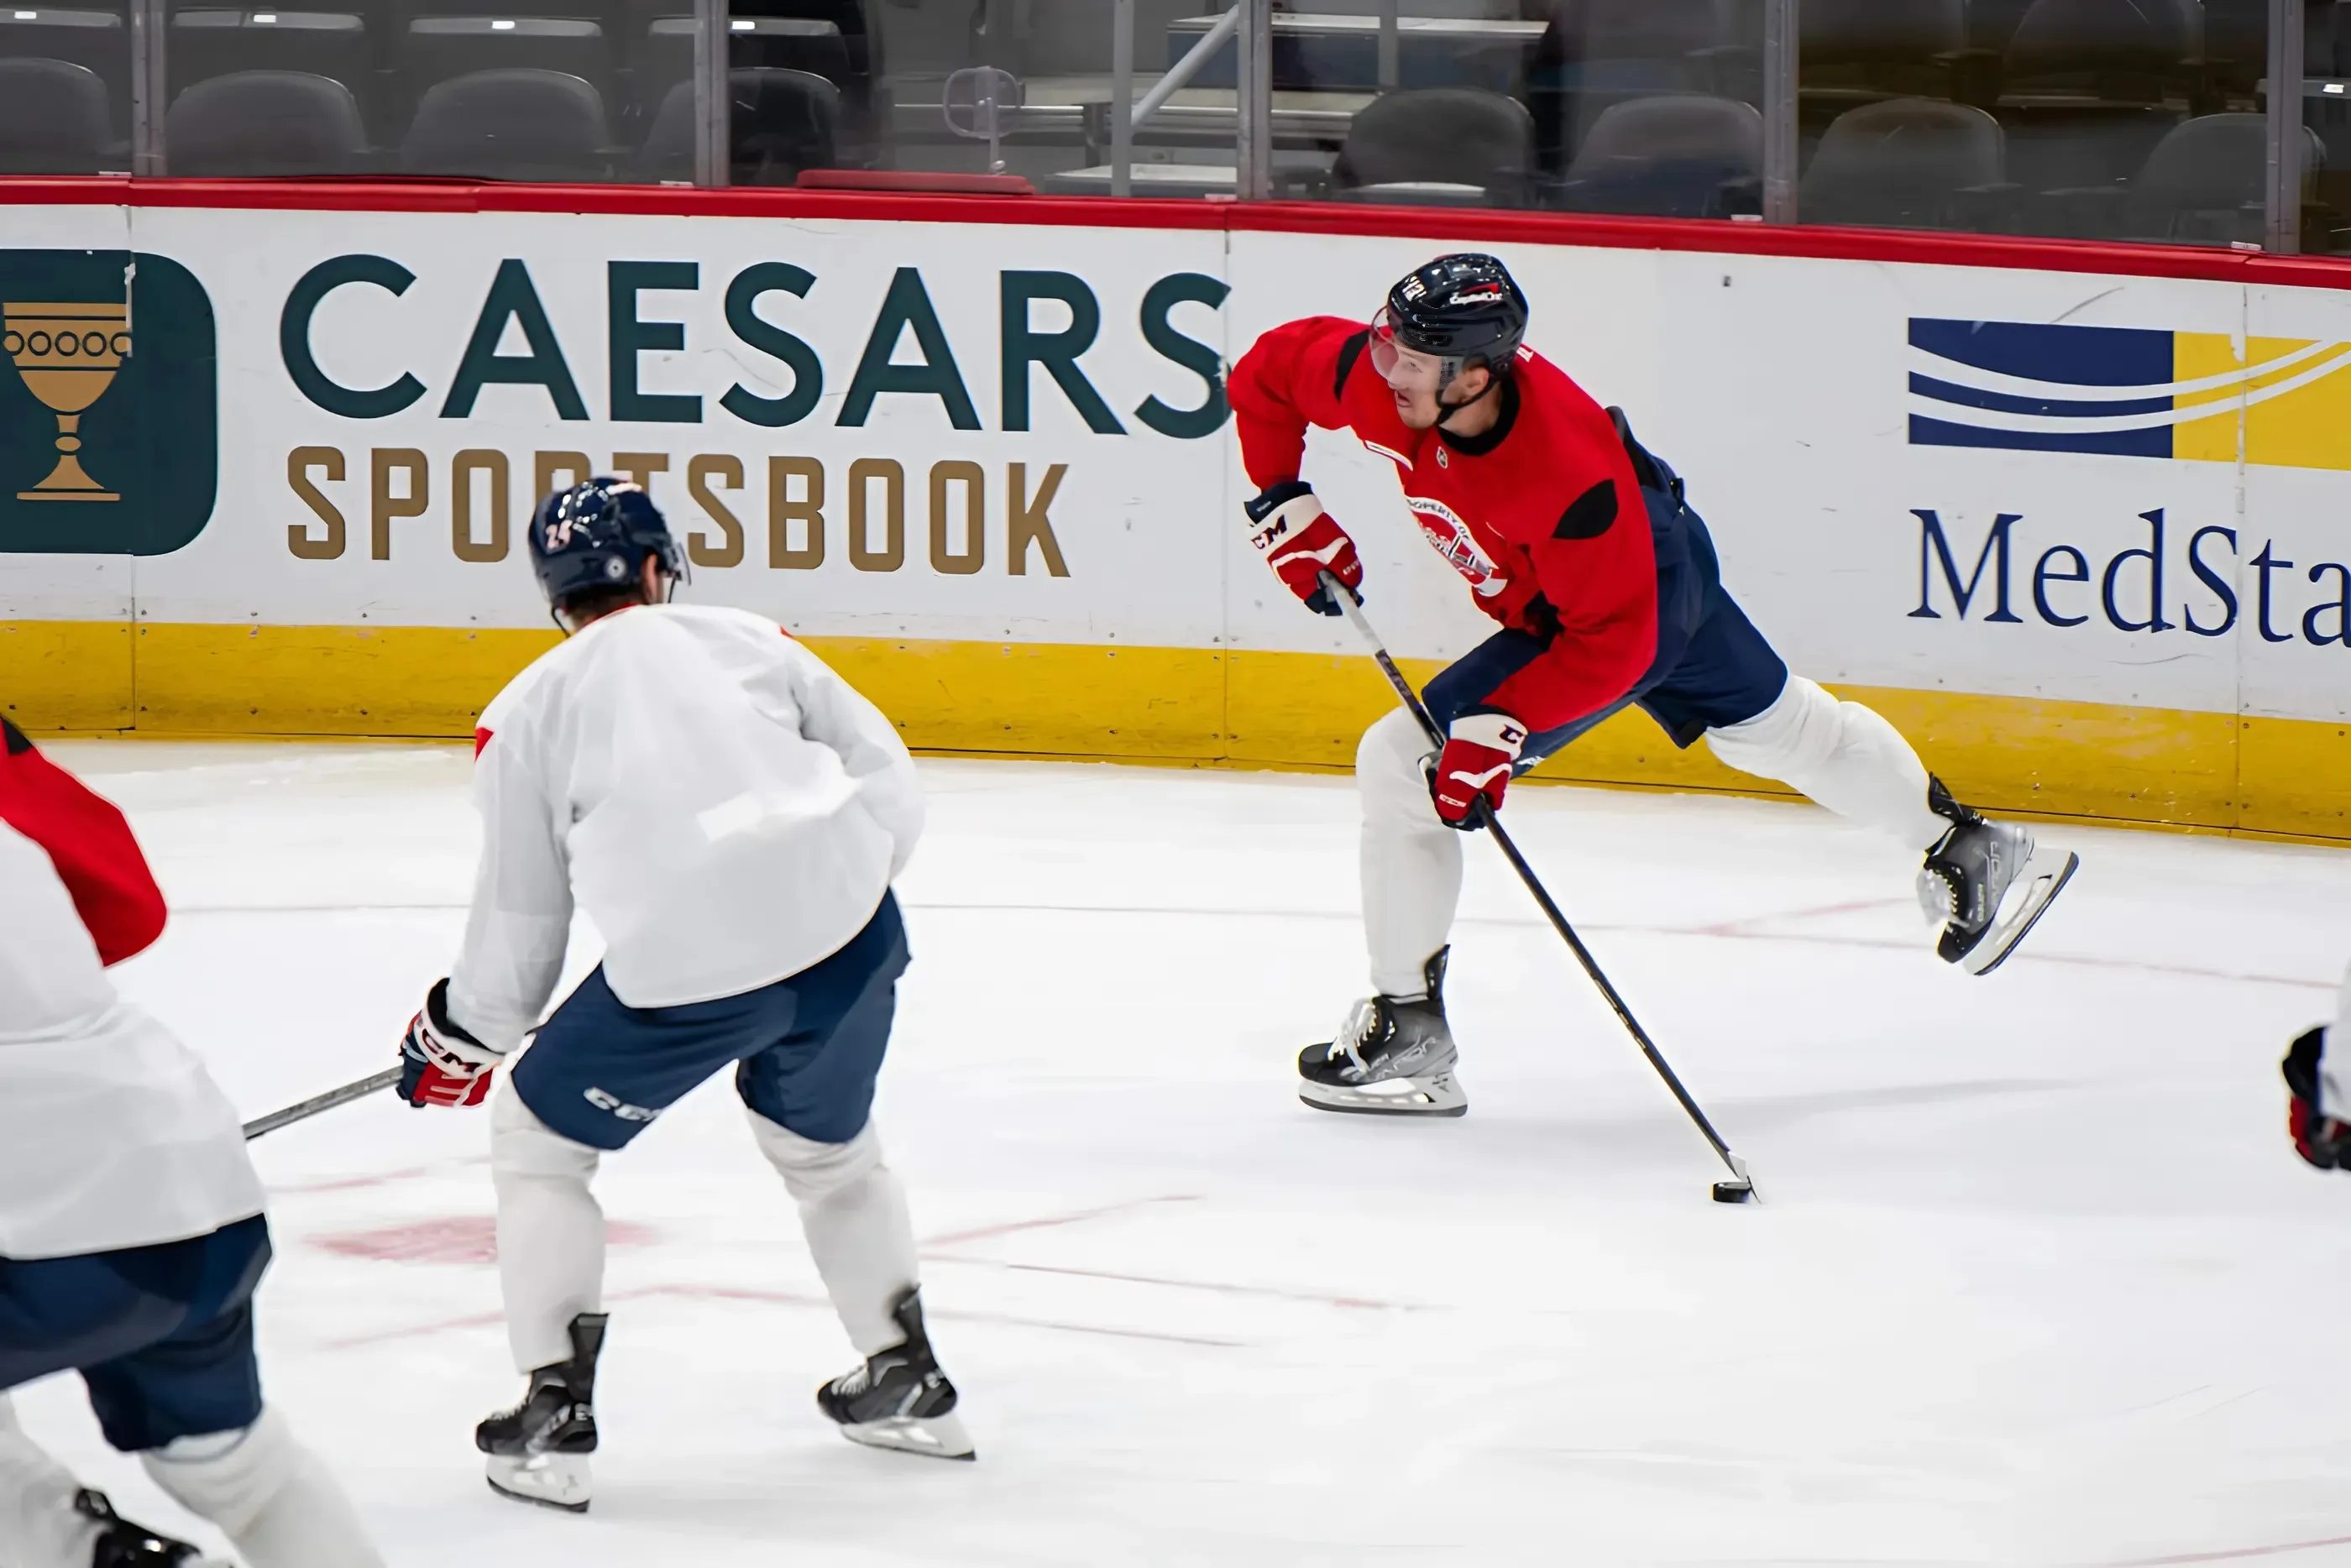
<point x="2318" y="1136"/>
<point x="1300" y="542"/>
<point x="439" y="1064"/>
<point x="1475" y="765"/>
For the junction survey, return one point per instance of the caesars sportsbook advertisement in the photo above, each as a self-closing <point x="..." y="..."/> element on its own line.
<point x="991" y="465"/>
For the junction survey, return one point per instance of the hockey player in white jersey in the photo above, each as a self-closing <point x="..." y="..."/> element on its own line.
<point x="731" y="813"/>
<point x="132" y="1235"/>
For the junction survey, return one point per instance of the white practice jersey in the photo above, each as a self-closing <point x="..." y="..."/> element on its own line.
<point x="111" y="1133"/>
<point x="726" y="809"/>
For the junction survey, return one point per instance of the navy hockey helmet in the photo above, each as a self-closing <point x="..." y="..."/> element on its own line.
<point x="599" y="535"/>
<point x="1456" y="310"/>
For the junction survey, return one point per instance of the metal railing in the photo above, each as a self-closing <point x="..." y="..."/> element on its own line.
<point x="1246" y="30"/>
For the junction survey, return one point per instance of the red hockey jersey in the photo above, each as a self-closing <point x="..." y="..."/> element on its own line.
<point x="1542" y="515"/>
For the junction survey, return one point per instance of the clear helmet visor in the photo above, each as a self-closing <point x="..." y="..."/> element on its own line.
<point x="1404" y="369"/>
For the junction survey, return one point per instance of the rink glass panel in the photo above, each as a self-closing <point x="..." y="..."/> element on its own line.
<point x="1626" y="107"/>
<point x="2055" y="118"/>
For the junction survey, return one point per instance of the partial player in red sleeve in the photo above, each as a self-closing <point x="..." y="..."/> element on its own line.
<point x="1582" y="547"/>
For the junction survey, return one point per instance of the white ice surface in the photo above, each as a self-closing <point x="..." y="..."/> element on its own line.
<point x="2038" y="1280"/>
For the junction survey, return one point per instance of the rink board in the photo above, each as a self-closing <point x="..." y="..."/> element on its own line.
<point x="2069" y="517"/>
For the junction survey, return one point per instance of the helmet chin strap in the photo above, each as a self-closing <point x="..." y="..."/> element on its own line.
<point x="1445" y="410"/>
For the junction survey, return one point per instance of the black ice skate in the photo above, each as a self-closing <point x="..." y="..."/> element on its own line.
<point x="122" y="1544"/>
<point x="539" y="1450"/>
<point x="1394" y="1057"/>
<point x="1986" y="882"/>
<point x="899" y="1398"/>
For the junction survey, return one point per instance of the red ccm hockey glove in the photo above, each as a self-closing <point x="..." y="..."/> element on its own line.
<point x="1300" y="542"/>
<point x="2318" y="1138"/>
<point x="439" y="1064"/>
<point x="1479" y="752"/>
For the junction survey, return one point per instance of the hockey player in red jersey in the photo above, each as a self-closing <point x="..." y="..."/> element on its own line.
<point x="1583" y="548"/>
<point x="131" y="1235"/>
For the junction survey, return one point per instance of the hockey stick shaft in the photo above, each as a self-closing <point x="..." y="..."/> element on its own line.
<point x="1419" y="710"/>
<point x="302" y="1111"/>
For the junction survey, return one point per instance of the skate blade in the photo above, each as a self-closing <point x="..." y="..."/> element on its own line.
<point x="551" y="1481"/>
<point x="940" y="1436"/>
<point x="2044" y="878"/>
<point x="1438" y="1094"/>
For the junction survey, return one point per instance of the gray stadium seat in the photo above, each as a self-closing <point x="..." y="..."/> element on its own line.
<point x="55" y="119"/>
<point x="1856" y="51"/>
<point x="442" y="47"/>
<point x="88" y="35"/>
<point x="1910" y="163"/>
<point x="1441" y="146"/>
<point x="1674" y="156"/>
<point x="2122" y="49"/>
<point x="519" y="124"/>
<point x="2208" y="181"/>
<point x="215" y="42"/>
<point x="779" y="123"/>
<point x="1597" y="53"/>
<point x="259" y="124"/>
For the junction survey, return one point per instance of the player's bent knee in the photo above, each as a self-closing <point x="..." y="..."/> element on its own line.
<point x="268" y="1493"/>
<point x="1388" y="766"/>
<point x="1797" y="733"/>
<point x="228" y="1477"/>
<point x="524" y="1149"/>
<point x="811" y="1170"/>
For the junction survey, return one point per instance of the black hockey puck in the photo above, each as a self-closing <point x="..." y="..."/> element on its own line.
<point x="1733" y="1192"/>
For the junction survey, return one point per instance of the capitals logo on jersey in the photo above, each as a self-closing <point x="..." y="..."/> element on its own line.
<point x="1450" y="537"/>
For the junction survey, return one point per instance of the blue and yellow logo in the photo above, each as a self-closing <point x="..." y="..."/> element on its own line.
<point x="2130" y="393"/>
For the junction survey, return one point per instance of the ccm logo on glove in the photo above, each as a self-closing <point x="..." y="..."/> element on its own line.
<point x="439" y="1064"/>
<point x="1300" y="542"/>
<point x="1479" y="752"/>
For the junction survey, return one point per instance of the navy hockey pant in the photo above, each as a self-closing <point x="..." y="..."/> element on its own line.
<point x="807" y="1049"/>
<point x="161" y="1335"/>
<point x="1713" y="669"/>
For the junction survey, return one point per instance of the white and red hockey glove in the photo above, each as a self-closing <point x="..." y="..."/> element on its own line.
<point x="2319" y="1139"/>
<point x="439" y="1064"/>
<point x="1479" y="752"/>
<point x="1300" y="542"/>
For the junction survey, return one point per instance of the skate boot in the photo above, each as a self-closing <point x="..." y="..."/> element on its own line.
<point x="1394" y="1057"/>
<point x="539" y="1450"/>
<point x="122" y="1544"/>
<point x="900" y="1399"/>
<point x="1985" y="882"/>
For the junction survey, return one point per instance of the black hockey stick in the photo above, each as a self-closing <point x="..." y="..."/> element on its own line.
<point x="302" y="1111"/>
<point x="1741" y="1187"/>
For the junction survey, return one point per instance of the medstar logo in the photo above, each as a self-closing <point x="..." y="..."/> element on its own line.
<point x="109" y="404"/>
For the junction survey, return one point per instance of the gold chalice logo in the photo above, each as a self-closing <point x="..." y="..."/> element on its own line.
<point x="68" y="354"/>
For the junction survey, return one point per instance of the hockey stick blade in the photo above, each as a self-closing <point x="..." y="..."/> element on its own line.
<point x="303" y="1110"/>
<point x="1741" y="1186"/>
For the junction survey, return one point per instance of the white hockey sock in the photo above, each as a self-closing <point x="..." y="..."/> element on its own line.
<point x="1842" y="755"/>
<point x="1411" y="861"/>
<point x="270" y="1495"/>
<point x="39" y="1526"/>
<point x="551" y="1231"/>
<point x="853" y="1212"/>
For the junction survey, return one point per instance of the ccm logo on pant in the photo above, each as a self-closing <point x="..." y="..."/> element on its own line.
<point x="620" y="1109"/>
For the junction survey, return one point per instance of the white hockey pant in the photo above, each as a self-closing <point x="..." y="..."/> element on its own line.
<point x="268" y="1495"/>
<point x="1841" y="754"/>
<point x="552" y="1230"/>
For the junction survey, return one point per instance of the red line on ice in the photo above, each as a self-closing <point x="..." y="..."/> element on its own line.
<point x="1219" y="1286"/>
<point x="781" y="1298"/>
<point x="1014" y="1227"/>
